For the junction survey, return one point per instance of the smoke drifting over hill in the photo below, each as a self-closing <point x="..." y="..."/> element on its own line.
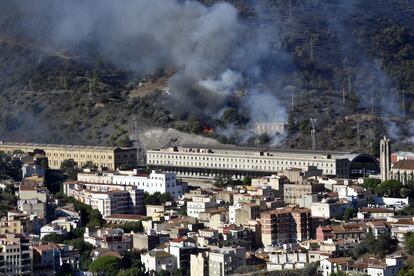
<point x="213" y="51"/>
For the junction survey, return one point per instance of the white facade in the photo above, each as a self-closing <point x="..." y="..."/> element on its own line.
<point x="225" y="260"/>
<point x="112" y="239"/>
<point x="240" y="159"/>
<point x="163" y="182"/>
<point x="113" y="200"/>
<point x="291" y="260"/>
<point x="157" y="260"/>
<point x="52" y="229"/>
<point x="199" y="204"/>
<point x="328" y="210"/>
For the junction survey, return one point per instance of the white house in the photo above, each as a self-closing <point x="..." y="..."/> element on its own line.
<point x="328" y="209"/>
<point x="200" y="204"/>
<point x="157" y="260"/>
<point x="52" y="228"/>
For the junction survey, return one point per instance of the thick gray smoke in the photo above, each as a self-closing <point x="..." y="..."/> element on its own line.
<point x="205" y="45"/>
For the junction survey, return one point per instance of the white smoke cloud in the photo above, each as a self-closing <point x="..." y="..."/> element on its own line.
<point x="212" y="51"/>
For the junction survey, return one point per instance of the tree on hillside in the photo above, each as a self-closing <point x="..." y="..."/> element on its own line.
<point x="156" y="198"/>
<point x="371" y="183"/>
<point x="90" y="165"/>
<point x="70" y="168"/>
<point x="409" y="243"/>
<point x="389" y="188"/>
<point x="54" y="238"/>
<point x="106" y="264"/>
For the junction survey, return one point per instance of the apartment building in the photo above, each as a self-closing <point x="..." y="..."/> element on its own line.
<point x="181" y="248"/>
<point x="286" y="225"/>
<point x="200" y="204"/>
<point x="156" y="260"/>
<point x="241" y="213"/>
<point x="16" y="223"/>
<point x="162" y="182"/>
<point x="329" y="208"/>
<point x="113" y="239"/>
<point x="103" y="157"/>
<point x="294" y="193"/>
<point x="15" y="255"/>
<point x="199" y="264"/>
<point x="108" y="200"/>
<point x="225" y="260"/>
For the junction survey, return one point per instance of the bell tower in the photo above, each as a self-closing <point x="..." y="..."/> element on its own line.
<point x="385" y="158"/>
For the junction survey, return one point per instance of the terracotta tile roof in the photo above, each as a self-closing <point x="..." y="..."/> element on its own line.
<point x="326" y="228"/>
<point x="376" y="210"/>
<point x="340" y="261"/>
<point x="404" y="165"/>
<point x="402" y="222"/>
<point x="378" y="224"/>
<point x="126" y="216"/>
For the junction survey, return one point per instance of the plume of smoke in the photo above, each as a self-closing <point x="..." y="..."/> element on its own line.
<point x="264" y="107"/>
<point x="212" y="50"/>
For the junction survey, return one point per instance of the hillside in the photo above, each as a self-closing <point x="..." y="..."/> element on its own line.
<point x="348" y="64"/>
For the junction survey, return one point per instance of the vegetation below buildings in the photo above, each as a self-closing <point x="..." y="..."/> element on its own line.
<point x="381" y="246"/>
<point x="156" y="198"/>
<point x="390" y="188"/>
<point x="7" y="200"/>
<point x="129" y="227"/>
<point x="130" y="264"/>
<point x="309" y="270"/>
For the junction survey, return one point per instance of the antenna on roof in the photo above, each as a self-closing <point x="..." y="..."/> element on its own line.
<point x="311" y="48"/>
<point x="313" y="133"/>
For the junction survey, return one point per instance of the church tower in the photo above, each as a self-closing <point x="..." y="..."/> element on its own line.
<point x="385" y="158"/>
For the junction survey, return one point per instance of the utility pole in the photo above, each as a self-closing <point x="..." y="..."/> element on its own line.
<point x="372" y="103"/>
<point x="343" y="96"/>
<point x="403" y="104"/>
<point x="311" y="48"/>
<point x="290" y="10"/>
<point x="292" y="103"/>
<point x="30" y="86"/>
<point x="349" y="84"/>
<point x="313" y="133"/>
<point x="358" y="135"/>
<point x="90" y="89"/>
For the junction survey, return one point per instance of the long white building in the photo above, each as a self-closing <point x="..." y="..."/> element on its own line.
<point x="163" y="182"/>
<point x="211" y="161"/>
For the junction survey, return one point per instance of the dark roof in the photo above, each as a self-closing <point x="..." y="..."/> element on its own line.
<point x="258" y="149"/>
<point x="404" y="165"/>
